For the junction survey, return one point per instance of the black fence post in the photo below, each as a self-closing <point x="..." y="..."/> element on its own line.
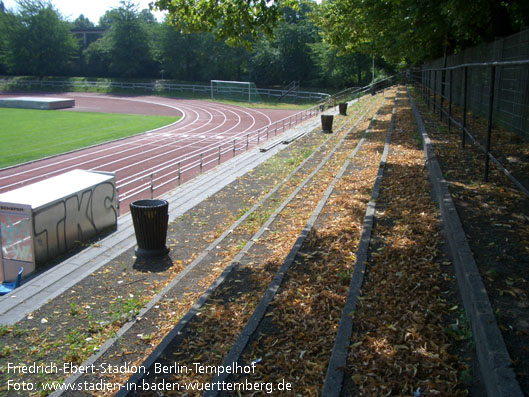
<point x="442" y="86"/>
<point x="428" y="90"/>
<point x="489" y="125"/>
<point x="434" y="88"/>
<point x="422" y="84"/>
<point x="450" y="76"/>
<point x="464" y="125"/>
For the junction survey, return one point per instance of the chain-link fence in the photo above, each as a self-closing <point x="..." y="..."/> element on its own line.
<point x="511" y="81"/>
<point x="484" y="91"/>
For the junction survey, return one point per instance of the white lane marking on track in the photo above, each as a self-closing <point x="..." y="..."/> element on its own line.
<point x="128" y="144"/>
<point x="161" y="166"/>
<point x="164" y="165"/>
<point x="167" y="164"/>
<point x="156" y="156"/>
<point x="113" y="147"/>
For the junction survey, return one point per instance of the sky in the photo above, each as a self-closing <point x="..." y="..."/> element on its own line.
<point x="91" y="9"/>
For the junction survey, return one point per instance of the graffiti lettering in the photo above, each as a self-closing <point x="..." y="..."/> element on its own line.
<point x="76" y="218"/>
<point x="19" y="252"/>
<point x="105" y="211"/>
<point x="13" y="230"/>
<point x="49" y="242"/>
<point x="78" y="222"/>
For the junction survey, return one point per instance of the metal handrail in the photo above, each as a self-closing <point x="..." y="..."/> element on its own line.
<point x="230" y="145"/>
<point x="202" y="151"/>
<point x="426" y="91"/>
<point x="480" y="64"/>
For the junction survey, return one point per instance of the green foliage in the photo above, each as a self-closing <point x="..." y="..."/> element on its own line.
<point x="410" y="31"/>
<point x="265" y="62"/>
<point x="75" y="309"/>
<point x="269" y="42"/>
<point x="6" y="22"/>
<point x="340" y="70"/>
<point x="122" y="310"/>
<point x="97" y="58"/>
<point x="234" y="21"/>
<point x="394" y="29"/>
<point x="39" y="42"/>
<point x="127" y="49"/>
<point x="128" y="40"/>
<point x="135" y="45"/>
<point x="293" y="37"/>
<point x="81" y="22"/>
<point x="179" y="54"/>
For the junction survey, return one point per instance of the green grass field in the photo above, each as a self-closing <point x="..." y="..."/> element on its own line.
<point x="32" y="134"/>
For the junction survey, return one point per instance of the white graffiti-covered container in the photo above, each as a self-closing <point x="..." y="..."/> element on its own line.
<point x="38" y="222"/>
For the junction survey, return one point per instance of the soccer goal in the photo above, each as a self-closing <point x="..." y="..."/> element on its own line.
<point x="234" y="91"/>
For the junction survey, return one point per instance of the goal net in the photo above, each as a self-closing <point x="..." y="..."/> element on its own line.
<point x="234" y="91"/>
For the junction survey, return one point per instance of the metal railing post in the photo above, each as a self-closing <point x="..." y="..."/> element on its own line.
<point x="464" y="125"/>
<point x="152" y="187"/>
<point x="489" y="125"/>
<point x="422" y="84"/>
<point x="219" y="156"/>
<point x="450" y="76"/>
<point x="434" y="88"/>
<point x="428" y="89"/>
<point x="179" y="174"/>
<point x="443" y="76"/>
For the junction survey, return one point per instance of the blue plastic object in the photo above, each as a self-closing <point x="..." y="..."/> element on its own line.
<point x="6" y="288"/>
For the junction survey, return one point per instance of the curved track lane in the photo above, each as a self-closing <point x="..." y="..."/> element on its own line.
<point x="203" y="126"/>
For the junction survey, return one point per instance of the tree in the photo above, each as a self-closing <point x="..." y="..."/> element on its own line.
<point x="400" y="31"/>
<point x="6" y="21"/>
<point x="397" y="30"/>
<point x="81" y="22"/>
<point x="412" y="31"/>
<point x="108" y="18"/>
<point x="335" y="70"/>
<point x="179" y="54"/>
<point x="235" y="21"/>
<point x="40" y="42"/>
<point x="97" y="58"/>
<point x="265" y="62"/>
<point x="128" y="43"/>
<point x="286" y="56"/>
<point x="293" y="36"/>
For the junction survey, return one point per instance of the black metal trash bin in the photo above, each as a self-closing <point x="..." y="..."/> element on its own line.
<point x="150" y="219"/>
<point x="342" y="107"/>
<point x="326" y="122"/>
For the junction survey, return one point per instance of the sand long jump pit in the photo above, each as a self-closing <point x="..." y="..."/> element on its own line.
<point x="43" y="103"/>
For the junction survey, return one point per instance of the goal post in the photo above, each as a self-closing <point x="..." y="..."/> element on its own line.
<point x="234" y="90"/>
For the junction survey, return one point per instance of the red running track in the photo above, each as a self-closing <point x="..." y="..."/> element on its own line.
<point x="167" y="156"/>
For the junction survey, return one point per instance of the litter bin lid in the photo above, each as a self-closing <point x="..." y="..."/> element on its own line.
<point x="149" y="203"/>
